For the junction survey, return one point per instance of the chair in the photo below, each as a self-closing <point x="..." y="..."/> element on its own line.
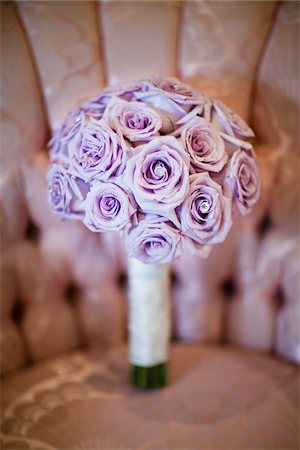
<point x="233" y="363"/>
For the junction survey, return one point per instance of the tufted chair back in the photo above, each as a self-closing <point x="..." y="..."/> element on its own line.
<point x="62" y="286"/>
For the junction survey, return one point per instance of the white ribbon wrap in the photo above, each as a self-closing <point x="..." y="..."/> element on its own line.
<point x="149" y="313"/>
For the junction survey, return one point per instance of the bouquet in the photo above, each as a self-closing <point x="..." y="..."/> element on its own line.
<point x="166" y="167"/>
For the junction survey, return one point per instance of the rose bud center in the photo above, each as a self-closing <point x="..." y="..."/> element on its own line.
<point x="245" y="175"/>
<point x="137" y="121"/>
<point x="88" y="160"/>
<point x="204" y="206"/>
<point x="158" y="171"/>
<point x="199" y="145"/>
<point x="92" y="149"/>
<point x="154" y="246"/>
<point x="201" y="208"/>
<point x="109" y="205"/>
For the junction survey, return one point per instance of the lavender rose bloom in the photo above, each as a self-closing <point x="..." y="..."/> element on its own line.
<point x="97" y="152"/>
<point x="232" y="123"/>
<point x="206" y="214"/>
<point x="171" y="97"/>
<point x="153" y="243"/>
<point x="159" y="175"/>
<point x="108" y="207"/>
<point x="66" y="193"/>
<point x="242" y="181"/>
<point x="96" y="106"/>
<point x="134" y="120"/>
<point x="125" y="92"/>
<point x="176" y="90"/>
<point x="74" y="122"/>
<point x="161" y="163"/>
<point x="204" y="144"/>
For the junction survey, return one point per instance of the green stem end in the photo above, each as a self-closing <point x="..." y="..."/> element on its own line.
<point x="149" y="377"/>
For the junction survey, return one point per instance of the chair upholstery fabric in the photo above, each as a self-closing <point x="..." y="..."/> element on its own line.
<point x="83" y="401"/>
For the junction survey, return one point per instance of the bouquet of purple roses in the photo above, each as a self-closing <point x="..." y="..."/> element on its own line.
<point x="167" y="168"/>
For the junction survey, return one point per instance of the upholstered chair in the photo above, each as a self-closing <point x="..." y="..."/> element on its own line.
<point x="236" y="343"/>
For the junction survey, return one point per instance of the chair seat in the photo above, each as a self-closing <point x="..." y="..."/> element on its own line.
<point x="218" y="397"/>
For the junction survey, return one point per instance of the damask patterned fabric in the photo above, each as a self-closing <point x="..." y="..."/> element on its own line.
<point x="83" y="400"/>
<point x="63" y="287"/>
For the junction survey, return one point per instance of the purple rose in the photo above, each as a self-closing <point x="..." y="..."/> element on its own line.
<point x="232" y="123"/>
<point x="134" y="120"/>
<point x="74" y="122"/>
<point x="157" y="161"/>
<point x="97" y="152"/>
<point x="108" y="207"/>
<point x="242" y="181"/>
<point x="205" y="214"/>
<point x="176" y="90"/>
<point x="171" y="98"/>
<point x="158" y="175"/>
<point x="66" y="193"/>
<point x="162" y="101"/>
<point x="93" y="110"/>
<point x="204" y="144"/>
<point x="100" y="102"/>
<point x="153" y="243"/>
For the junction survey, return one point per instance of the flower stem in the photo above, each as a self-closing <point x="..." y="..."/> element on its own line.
<point x="149" y="323"/>
<point x="149" y="377"/>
